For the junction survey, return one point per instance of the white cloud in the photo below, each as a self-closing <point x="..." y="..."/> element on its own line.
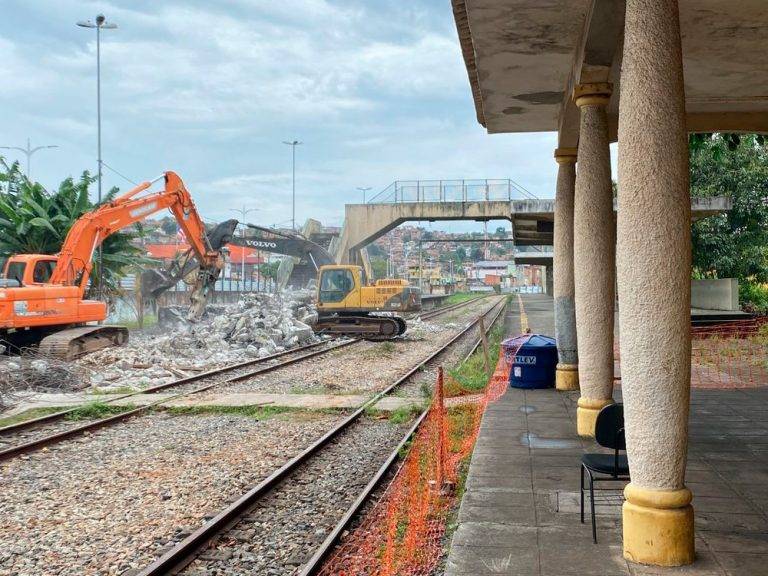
<point x="377" y="91"/>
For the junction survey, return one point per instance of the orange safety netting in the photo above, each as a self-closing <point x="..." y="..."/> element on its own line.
<point x="403" y="534"/>
<point x="728" y="355"/>
<point x="732" y="355"/>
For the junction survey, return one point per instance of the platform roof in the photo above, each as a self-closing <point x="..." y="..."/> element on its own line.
<point x="523" y="58"/>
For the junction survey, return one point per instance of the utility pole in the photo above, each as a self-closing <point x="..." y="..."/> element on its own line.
<point x="293" y="145"/>
<point x="101" y="23"/>
<point x="244" y="211"/>
<point x="364" y="190"/>
<point x="28" y="151"/>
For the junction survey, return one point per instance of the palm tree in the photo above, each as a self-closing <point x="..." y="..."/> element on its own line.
<point x="36" y="221"/>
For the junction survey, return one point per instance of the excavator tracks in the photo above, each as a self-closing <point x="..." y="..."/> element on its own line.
<point x="375" y="328"/>
<point x="72" y="343"/>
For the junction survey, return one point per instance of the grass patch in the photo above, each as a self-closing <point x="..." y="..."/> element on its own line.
<point x="30" y="414"/>
<point x="398" y="416"/>
<point x="462" y="424"/>
<point x="97" y="409"/>
<point x="459" y="297"/>
<point x="404" y="414"/>
<point x="387" y="348"/>
<point x="382" y="349"/>
<point x="470" y="376"/>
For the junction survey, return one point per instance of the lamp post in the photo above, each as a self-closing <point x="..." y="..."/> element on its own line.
<point x="364" y="190"/>
<point x="293" y="145"/>
<point x="244" y="211"/>
<point x="101" y="23"/>
<point x="28" y="151"/>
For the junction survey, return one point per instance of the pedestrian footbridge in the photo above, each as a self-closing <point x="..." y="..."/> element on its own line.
<point x="479" y="200"/>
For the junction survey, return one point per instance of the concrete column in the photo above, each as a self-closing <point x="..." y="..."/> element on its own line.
<point x="654" y="227"/>
<point x="549" y="282"/>
<point x="567" y="375"/>
<point x="594" y="250"/>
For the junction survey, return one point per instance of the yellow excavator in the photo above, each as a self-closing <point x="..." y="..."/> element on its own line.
<point x="348" y="306"/>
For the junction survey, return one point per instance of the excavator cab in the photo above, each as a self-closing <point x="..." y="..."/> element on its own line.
<point x="336" y="284"/>
<point x="347" y="306"/>
<point x="26" y="269"/>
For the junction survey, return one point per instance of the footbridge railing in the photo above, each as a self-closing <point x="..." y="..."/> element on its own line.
<point x="451" y="191"/>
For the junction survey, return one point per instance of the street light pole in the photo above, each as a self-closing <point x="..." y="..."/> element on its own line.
<point x="28" y="151"/>
<point x="364" y="190"/>
<point x="293" y="145"/>
<point x="244" y="211"/>
<point x="101" y="22"/>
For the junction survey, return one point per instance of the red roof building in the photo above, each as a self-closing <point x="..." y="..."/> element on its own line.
<point x="169" y="251"/>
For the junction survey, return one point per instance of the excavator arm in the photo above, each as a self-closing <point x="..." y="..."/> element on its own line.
<point x="76" y="256"/>
<point x="154" y="282"/>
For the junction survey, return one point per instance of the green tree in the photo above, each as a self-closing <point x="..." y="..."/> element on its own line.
<point x="733" y="244"/>
<point x="379" y="268"/>
<point x="169" y="226"/>
<point x="461" y="253"/>
<point x="34" y="220"/>
<point x="269" y="269"/>
<point x="374" y="251"/>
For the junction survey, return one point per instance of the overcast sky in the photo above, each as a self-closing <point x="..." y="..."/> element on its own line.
<point x="376" y="90"/>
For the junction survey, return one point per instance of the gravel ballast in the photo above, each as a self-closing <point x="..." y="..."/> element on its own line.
<point x="115" y="500"/>
<point x="282" y="532"/>
<point x="367" y="367"/>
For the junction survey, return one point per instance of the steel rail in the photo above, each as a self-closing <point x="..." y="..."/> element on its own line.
<point x="322" y="552"/>
<point x="195" y="377"/>
<point x="207" y="374"/>
<point x="185" y="551"/>
<point x="43" y="441"/>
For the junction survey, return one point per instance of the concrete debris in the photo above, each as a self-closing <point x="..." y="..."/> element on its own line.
<point x="418" y="329"/>
<point x="257" y="326"/>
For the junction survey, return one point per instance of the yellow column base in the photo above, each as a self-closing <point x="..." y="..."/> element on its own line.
<point x="658" y="526"/>
<point x="586" y="415"/>
<point x="567" y="377"/>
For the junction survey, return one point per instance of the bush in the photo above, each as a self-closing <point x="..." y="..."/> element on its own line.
<point x="754" y="297"/>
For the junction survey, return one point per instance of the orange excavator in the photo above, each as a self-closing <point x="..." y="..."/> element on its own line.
<point x="42" y="296"/>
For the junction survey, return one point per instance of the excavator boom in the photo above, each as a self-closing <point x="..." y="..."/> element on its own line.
<point x="42" y="296"/>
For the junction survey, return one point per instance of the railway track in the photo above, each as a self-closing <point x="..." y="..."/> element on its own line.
<point x="30" y="435"/>
<point x="275" y="523"/>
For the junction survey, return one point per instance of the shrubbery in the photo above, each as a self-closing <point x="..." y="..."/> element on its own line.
<point x="754" y="297"/>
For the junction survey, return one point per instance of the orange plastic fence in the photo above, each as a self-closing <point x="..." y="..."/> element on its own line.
<point x="404" y="531"/>
<point x="733" y="355"/>
<point x="729" y="355"/>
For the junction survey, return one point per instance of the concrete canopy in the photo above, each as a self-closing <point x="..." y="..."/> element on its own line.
<point x="523" y="58"/>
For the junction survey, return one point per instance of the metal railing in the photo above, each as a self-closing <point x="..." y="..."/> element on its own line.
<point x="451" y="191"/>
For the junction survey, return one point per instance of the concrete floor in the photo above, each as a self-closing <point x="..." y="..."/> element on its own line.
<point x="520" y="513"/>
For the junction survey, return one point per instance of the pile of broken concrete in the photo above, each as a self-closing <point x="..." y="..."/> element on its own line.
<point x="256" y="326"/>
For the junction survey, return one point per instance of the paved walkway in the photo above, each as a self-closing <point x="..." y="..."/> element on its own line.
<point x="520" y="513"/>
<point x="303" y="401"/>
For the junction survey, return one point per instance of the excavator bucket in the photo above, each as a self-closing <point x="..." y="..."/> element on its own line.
<point x="207" y="276"/>
<point x="201" y="293"/>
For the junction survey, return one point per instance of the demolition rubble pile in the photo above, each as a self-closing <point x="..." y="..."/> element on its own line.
<point x="257" y="326"/>
<point x="31" y="372"/>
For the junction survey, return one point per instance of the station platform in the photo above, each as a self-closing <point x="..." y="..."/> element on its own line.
<point x="520" y="512"/>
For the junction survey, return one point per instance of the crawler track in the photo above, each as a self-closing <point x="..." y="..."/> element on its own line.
<point x="343" y="454"/>
<point x="40" y="432"/>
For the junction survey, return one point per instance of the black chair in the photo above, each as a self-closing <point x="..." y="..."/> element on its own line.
<point x="609" y="433"/>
